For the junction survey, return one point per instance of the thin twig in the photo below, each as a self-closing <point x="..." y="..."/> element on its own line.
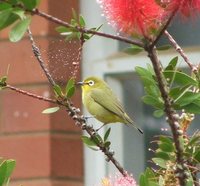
<point x="180" y="51"/>
<point x="30" y="94"/>
<point x="164" y="28"/>
<point x="37" y="54"/>
<point x="84" y="30"/>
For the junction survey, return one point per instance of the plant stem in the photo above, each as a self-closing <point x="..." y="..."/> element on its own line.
<point x="171" y="115"/>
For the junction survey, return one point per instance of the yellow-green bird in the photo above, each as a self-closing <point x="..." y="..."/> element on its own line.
<point x="102" y="103"/>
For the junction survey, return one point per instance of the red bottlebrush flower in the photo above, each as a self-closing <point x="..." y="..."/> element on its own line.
<point x="186" y="7"/>
<point x="133" y="17"/>
<point x="118" y="180"/>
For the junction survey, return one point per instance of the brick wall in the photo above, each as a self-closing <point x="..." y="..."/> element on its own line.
<point x="47" y="148"/>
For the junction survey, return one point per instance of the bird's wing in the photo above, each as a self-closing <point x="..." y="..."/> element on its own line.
<point x="109" y="101"/>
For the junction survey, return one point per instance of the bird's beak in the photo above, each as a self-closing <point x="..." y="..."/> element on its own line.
<point x="80" y="83"/>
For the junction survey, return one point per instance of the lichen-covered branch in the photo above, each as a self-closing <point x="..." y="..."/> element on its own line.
<point x="172" y="117"/>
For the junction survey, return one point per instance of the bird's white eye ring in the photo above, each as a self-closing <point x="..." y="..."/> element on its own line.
<point x="91" y="83"/>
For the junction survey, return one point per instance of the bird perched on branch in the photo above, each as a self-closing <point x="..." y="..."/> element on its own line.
<point x="102" y="103"/>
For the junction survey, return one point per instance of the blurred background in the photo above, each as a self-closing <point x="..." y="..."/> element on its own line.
<point x="48" y="148"/>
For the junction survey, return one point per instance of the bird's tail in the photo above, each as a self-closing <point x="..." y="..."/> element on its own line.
<point x="132" y="123"/>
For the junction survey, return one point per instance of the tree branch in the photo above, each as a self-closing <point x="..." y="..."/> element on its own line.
<point x="84" y="30"/>
<point x="181" y="52"/>
<point x="172" y="117"/>
<point x="38" y="56"/>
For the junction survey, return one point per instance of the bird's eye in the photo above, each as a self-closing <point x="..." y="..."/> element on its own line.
<point x="91" y="83"/>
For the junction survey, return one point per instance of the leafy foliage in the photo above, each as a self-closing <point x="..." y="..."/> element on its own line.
<point x="92" y="142"/>
<point x="133" y="50"/>
<point x="13" y="12"/>
<point x="73" y="32"/>
<point x="6" y="169"/>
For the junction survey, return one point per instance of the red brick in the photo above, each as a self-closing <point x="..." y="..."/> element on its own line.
<point x="31" y="152"/>
<point x="45" y="182"/>
<point x="24" y="68"/>
<point x="21" y="113"/>
<point x="64" y="13"/>
<point x="67" y="156"/>
<point x="67" y="183"/>
<point x="35" y="182"/>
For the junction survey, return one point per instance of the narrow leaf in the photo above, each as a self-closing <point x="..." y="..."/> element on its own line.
<point x="57" y="89"/>
<point x="164" y="47"/>
<point x="3" y="170"/>
<point x="107" y="134"/>
<point x="133" y="50"/>
<point x="150" y="100"/>
<point x="158" y="113"/>
<point x="10" y="167"/>
<point x="160" y="162"/>
<point x="50" y="110"/>
<point x="180" y="77"/>
<point x="172" y="64"/>
<point x="81" y="21"/>
<point x="30" y="4"/>
<point x="88" y="141"/>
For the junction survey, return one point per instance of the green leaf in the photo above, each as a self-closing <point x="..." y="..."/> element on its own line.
<point x="97" y="139"/>
<point x="172" y="64"/>
<point x="3" y="79"/>
<point x="51" y="110"/>
<point x="144" y="72"/>
<point x="149" y="81"/>
<point x="58" y="91"/>
<point x="143" y="181"/>
<point x="88" y="141"/>
<point x="158" y="113"/>
<point x="19" y="30"/>
<point x="192" y="108"/>
<point x="30" y="4"/>
<point x="10" y="20"/>
<point x="152" y="90"/>
<point x="74" y="14"/>
<point x="70" y="88"/>
<point x="107" y="134"/>
<point x="3" y="172"/>
<point x="166" y="147"/>
<point x="10" y="167"/>
<point x="70" y="92"/>
<point x="81" y="21"/>
<point x="19" y="12"/>
<point x="62" y="29"/>
<point x="133" y="50"/>
<point x="165" y="139"/>
<point x="160" y="162"/>
<point x="4" y="6"/>
<point x="4" y="15"/>
<point x="162" y="155"/>
<point x="188" y="98"/>
<point x="107" y="144"/>
<point x="179" y="91"/>
<point x="164" y="47"/>
<point x="150" y="100"/>
<point x="180" y="77"/>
